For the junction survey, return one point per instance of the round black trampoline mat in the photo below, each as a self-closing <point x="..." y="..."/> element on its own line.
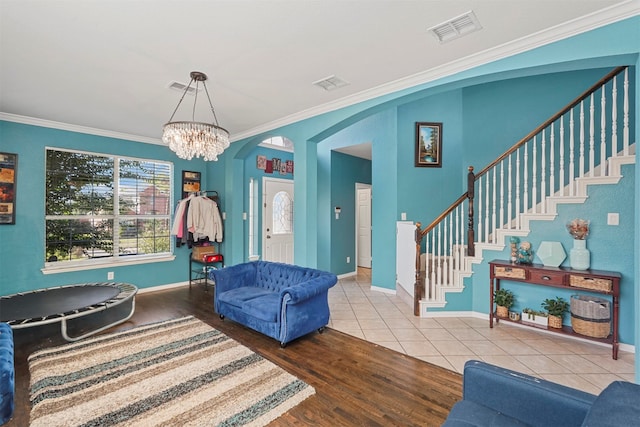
<point x="54" y="301"/>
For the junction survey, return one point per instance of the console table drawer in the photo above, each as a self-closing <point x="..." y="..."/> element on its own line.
<point x="547" y="277"/>
<point x="595" y="283"/>
<point x="510" y="272"/>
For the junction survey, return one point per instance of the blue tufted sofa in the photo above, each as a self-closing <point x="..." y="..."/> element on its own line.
<point x="282" y="301"/>
<point x="7" y="374"/>
<point x="494" y="396"/>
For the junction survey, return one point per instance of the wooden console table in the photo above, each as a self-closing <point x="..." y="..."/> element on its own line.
<point x="591" y="281"/>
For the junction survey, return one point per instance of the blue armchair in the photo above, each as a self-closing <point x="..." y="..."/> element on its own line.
<point x="7" y="373"/>
<point x="282" y="301"/>
<point x="494" y="396"/>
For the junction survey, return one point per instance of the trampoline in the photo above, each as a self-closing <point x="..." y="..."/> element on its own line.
<point x="65" y="303"/>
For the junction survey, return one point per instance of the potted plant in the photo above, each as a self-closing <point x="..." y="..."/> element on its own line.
<point x="535" y="318"/>
<point x="556" y="309"/>
<point x="504" y="299"/>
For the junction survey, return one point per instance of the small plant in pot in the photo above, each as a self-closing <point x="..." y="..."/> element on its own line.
<point x="504" y="299"/>
<point x="556" y="309"/>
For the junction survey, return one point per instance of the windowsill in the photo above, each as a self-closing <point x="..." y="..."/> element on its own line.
<point x="55" y="269"/>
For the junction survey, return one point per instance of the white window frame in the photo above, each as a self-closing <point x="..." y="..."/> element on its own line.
<point x="115" y="260"/>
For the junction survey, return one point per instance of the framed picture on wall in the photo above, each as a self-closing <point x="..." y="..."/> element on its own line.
<point x="428" y="144"/>
<point x="8" y="175"/>
<point x="190" y="182"/>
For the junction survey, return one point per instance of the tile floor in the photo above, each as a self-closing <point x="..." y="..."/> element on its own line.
<point x="450" y="341"/>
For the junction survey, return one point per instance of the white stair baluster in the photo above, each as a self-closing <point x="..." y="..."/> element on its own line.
<point x="581" y="168"/>
<point x="543" y="173"/>
<point x="487" y="207"/>
<point x="525" y="184"/>
<point x="493" y="215"/>
<point x="461" y="250"/>
<point x="445" y="248"/>
<point x="534" y="177"/>
<point x="603" y="133"/>
<point x="509" y="194"/>
<point x="552" y="161"/>
<point x="572" y="158"/>
<point x="518" y="189"/>
<point x="480" y="212"/>
<point x="561" y="159"/>
<point x="439" y="272"/>
<point x="614" y="118"/>
<point x="625" y="117"/>
<point x="434" y="266"/>
<point x="592" y="138"/>
<point x="501" y="217"/>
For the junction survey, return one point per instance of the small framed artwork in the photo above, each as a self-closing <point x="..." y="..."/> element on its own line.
<point x="261" y="162"/>
<point x="190" y="183"/>
<point x="8" y="175"/>
<point x="428" y="144"/>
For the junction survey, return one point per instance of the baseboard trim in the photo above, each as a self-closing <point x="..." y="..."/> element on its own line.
<point x="162" y="287"/>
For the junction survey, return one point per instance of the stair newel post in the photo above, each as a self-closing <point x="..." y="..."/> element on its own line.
<point x="471" y="182"/>
<point x="418" y="286"/>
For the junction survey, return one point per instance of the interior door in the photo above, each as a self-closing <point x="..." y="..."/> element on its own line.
<point x="364" y="226"/>
<point x="277" y="223"/>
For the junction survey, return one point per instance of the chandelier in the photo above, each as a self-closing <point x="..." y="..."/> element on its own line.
<point x="195" y="139"/>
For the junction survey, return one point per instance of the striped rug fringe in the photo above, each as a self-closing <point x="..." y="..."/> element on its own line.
<point x="179" y="372"/>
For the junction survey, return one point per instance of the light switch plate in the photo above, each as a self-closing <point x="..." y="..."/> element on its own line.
<point x="613" y="218"/>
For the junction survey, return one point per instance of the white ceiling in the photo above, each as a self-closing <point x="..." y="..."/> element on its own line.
<point x="107" y="64"/>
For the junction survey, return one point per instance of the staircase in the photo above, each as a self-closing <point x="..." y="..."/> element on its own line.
<point x="584" y="144"/>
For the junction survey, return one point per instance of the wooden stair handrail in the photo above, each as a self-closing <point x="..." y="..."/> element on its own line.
<point x="553" y="118"/>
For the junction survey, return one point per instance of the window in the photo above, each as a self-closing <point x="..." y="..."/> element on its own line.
<point x="282" y="213"/>
<point x="253" y="219"/>
<point x="102" y="208"/>
<point x="278" y="143"/>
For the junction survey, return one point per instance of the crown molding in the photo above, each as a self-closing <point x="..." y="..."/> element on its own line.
<point x="79" y="129"/>
<point x="612" y="14"/>
<point x="589" y="22"/>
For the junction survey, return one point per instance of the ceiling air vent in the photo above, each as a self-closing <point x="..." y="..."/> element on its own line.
<point x="330" y="83"/>
<point x="180" y="87"/>
<point x="456" y="27"/>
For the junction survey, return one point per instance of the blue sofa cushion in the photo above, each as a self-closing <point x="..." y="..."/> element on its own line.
<point x="617" y="405"/>
<point x="467" y="414"/>
<point x="266" y="308"/>
<point x="257" y="302"/>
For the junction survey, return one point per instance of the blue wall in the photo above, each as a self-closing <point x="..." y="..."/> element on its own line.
<point x="22" y="250"/>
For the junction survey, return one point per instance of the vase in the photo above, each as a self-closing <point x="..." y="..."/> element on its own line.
<point x="579" y="255"/>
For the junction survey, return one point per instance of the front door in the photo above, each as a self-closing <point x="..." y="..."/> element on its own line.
<point x="277" y="224"/>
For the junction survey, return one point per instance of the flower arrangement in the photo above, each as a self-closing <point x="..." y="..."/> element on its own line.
<point x="578" y="228"/>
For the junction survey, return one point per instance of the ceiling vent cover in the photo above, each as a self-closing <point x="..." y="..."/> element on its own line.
<point x="180" y="87"/>
<point x="330" y="83"/>
<point x="456" y="27"/>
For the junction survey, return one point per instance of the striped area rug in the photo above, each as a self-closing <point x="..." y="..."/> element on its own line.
<point x="180" y="372"/>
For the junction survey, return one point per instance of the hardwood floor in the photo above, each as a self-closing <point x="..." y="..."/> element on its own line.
<point x="357" y="383"/>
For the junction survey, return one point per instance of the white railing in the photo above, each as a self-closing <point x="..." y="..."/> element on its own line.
<point x="544" y="166"/>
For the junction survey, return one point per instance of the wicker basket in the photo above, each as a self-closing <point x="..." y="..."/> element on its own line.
<point x="591" y="316"/>
<point x="555" y="322"/>
<point x="502" y="311"/>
